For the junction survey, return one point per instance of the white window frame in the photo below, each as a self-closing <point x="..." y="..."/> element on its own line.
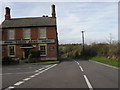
<point x="45" y="49"/>
<point x="9" y="38"/>
<point x="9" y="51"/>
<point x="24" y="33"/>
<point x="43" y="33"/>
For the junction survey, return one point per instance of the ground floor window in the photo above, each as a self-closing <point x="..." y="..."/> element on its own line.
<point x="43" y="50"/>
<point x="11" y="50"/>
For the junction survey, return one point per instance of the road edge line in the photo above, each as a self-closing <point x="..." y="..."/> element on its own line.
<point x="104" y="64"/>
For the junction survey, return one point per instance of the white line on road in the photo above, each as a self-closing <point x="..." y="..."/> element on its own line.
<point x="81" y="68"/>
<point x="11" y="87"/>
<point x="37" y="74"/>
<point x="47" y="69"/>
<point x="104" y="64"/>
<point x="88" y="82"/>
<point x="32" y="76"/>
<point x="42" y="68"/>
<point x="26" y="79"/>
<point x="18" y="83"/>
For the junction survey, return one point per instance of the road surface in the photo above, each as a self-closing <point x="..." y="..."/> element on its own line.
<point x="67" y="74"/>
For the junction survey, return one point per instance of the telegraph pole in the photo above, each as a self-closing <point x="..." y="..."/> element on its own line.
<point x="83" y="41"/>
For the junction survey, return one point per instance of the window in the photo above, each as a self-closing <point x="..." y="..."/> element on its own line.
<point x="42" y="32"/>
<point x="26" y="33"/>
<point x="42" y="50"/>
<point x="11" y="50"/>
<point x="11" y="34"/>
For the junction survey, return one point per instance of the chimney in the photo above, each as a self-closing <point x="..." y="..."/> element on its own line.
<point x="7" y="14"/>
<point x="53" y="11"/>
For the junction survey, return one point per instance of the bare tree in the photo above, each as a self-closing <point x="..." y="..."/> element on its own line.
<point x="109" y="38"/>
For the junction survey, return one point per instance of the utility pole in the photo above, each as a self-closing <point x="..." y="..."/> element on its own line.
<point x="83" y="41"/>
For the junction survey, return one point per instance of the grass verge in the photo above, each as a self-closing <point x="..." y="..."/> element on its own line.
<point x="47" y="62"/>
<point x="111" y="62"/>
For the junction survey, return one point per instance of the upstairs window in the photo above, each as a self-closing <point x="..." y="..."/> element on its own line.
<point x="26" y="33"/>
<point x="42" y="32"/>
<point x="11" y="34"/>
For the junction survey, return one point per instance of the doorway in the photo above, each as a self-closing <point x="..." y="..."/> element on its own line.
<point x="26" y="52"/>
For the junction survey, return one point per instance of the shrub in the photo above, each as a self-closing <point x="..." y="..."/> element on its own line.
<point x="6" y="60"/>
<point x="32" y="58"/>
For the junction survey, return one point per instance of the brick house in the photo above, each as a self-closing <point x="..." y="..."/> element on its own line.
<point x="20" y="35"/>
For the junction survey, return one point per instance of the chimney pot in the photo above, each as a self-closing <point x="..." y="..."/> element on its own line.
<point x="7" y="14"/>
<point x="53" y="11"/>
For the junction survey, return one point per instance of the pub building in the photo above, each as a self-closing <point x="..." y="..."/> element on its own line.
<point x="20" y="35"/>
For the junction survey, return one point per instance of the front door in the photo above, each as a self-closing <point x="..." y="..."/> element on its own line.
<point x="27" y="52"/>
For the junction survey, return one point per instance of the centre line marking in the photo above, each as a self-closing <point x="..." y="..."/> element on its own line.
<point x="88" y="83"/>
<point x="81" y="68"/>
<point x="26" y="79"/>
<point x="11" y="87"/>
<point x="18" y="83"/>
<point x="32" y="76"/>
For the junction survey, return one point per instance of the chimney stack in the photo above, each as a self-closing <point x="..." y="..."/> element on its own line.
<point x="7" y="14"/>
<point x="53" y="11"/>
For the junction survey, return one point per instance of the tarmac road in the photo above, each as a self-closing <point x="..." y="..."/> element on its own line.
<point x="68" y="74"/>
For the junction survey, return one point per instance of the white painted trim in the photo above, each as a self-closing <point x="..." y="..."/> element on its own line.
<point x="46" y="48"/>
<point x="14" y="51"/>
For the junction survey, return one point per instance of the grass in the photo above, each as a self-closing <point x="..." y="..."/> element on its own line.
<point x="111" y="62"/>
<point x="47" y="62"/>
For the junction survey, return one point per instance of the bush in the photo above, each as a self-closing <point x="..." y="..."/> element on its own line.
<point x="32" y="58"/>
<point x="6" y="60"/>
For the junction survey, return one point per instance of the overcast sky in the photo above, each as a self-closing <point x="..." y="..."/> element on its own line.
<point x="97" y="19"/>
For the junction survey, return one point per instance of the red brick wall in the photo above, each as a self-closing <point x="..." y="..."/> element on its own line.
<point x="5" y="53"/>
<point x="34" y="33"/>
<point x="51" y="53"/>
<point x="4" y="34"/>
<point x="51" y="32"/>
<point x="18" y="51"/>
<point x="18" y="33"/>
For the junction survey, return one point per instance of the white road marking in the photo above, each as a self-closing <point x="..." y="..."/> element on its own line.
<point x="18" y="83"/>
<point x="42" y="68"/>
<point x="47" y="69"/>
<point x="37" y="74"/>
<point x="77" y="63"/>
<point x="10" y="87"/>
<point x="88" y="82"/>
<point x="26" y="79"/>
<point x="32" y="76"/>
<point x="36" y="70"/>
<point x="104" y="64"/>
<point x="81" y="68"/>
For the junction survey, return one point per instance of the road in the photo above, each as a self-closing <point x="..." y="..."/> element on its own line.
<point x="68" y="74"/>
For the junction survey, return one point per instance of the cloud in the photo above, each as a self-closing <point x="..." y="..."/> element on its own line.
<point x="97" y="24"/>
<point x="97" y="19"/>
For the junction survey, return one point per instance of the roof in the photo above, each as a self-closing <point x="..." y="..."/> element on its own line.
<point x="29" y="22"/>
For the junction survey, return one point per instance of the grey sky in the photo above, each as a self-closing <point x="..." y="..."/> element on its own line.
<point x="97" y="19"/>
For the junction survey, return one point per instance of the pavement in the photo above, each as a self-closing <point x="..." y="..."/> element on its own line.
<point x="67" y="74"/>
